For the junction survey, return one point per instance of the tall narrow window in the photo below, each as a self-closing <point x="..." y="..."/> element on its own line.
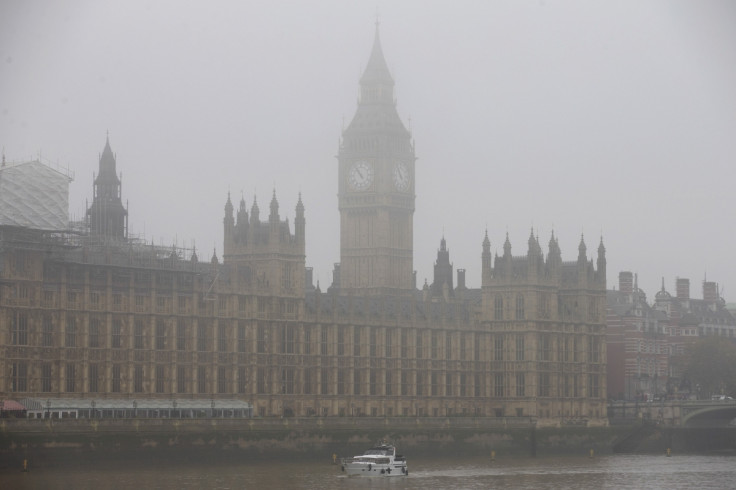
<point x="46" y="377"/>
<point x="498" y="307"/>
<point x="71" y="332"/>
<point x="19" y="328"/>
<point x="181" y="380"/>
<point x="543" y="384"/>
<point x="242" y="380"/>
<point x="261" y="381"/>
<point x="261" y="339"/>
<point x="323" y="342"/>
<point x="340" y="341"/>
<point x="307" y="341"/>
<point x="71" y="375"/>
<point x="356" y="341"/>
<point x="241" y="337"/>
<point x="201" y="338"/>
<point x="308" y="373"/>
<point x="47" y="333"/>
<point x="419" y="346"/>
<point x="389" y="388"/>
<point x="138" y="379"/>
<point x="324" y="380"/>
<point x="160" y="335"/>
<point x="138" y="338"/>
<point x="499" y="390"/>
<point x="520" y="347"/>
<point x="448" y="345"/>
<point x="19" y="377"/>
<point x="478" y="385"/>
<point x="201" y="380"/>
<point x="221" y="338"/>
<point x="92" y="378"/>
<point x="160" y="379"/>
<point x="498" y="347"/>
<point x="181" y="334"/>
<point x="519" y="307"/>
<point x="221" y="379"/>
<point x="356" y="382"/>
<point x="116" y="378"/>
<point x="117" y="334"/>
<point x="520" y="384"/>
<point x="389" y="342"/>
<point x="372" y="342"/>
<point x="341" y="382"/>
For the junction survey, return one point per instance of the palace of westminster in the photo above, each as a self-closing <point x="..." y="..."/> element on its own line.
<point x="94" y="313"/>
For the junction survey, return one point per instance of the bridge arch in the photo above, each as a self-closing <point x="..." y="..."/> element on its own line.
<point x="712" y="415"/>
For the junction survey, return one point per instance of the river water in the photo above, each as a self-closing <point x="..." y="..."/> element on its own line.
<point x="617" y="471"/>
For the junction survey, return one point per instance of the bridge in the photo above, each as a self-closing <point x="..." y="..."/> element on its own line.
<point x="676" y="413"/>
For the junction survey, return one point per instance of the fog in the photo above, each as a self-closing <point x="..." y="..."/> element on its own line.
<point x="612" y="119"/>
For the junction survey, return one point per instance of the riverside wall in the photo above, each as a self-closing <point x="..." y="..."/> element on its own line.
<point x="53" y="442"/>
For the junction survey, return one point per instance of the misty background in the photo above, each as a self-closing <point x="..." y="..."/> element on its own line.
<point x="604" y="118"/>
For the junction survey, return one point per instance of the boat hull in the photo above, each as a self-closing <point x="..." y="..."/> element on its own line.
<point x="375" y="470"/>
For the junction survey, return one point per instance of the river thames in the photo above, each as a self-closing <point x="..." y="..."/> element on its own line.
<point x="611" y="471"/>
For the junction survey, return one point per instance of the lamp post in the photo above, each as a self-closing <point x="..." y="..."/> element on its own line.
<point x="135" y="408"/>
<point x="48" y="408"/>
<point x="213" y="407"/>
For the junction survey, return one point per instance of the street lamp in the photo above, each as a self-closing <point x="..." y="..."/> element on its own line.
<point x="48" y="408"/>
<point x="135" y="408"/>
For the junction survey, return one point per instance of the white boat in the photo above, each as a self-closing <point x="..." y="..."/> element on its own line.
<point x="380" y="460"/>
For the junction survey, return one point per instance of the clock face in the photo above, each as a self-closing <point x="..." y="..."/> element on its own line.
<point x="402" y="179"/>
<point x="360" y="176"/>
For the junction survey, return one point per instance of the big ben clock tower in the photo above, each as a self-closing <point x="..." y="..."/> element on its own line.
<point x="376" y="189"/>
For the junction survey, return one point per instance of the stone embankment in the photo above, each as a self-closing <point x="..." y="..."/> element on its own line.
<point x="62" y="441"/>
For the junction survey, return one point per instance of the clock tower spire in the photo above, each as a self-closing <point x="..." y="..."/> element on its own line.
<point x="376" y="188"/>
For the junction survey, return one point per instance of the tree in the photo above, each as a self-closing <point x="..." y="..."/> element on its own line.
<point x="711" y="366"/>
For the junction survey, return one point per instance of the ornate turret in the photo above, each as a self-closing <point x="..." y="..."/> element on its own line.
<point x="300" y="222"/>
<point x="107" y="217"/>
<point x="582" y="250"/>
<point x="274" y="216"/>
<point x="267" y="255"/>
<point x="601" y="270"/>
<point x="486" y="257"/>
<point x="442" y="284"/>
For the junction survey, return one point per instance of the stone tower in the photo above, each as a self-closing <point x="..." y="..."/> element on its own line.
<point x="107" y="218"/>
<point x="376" y="189"/>
<point x="269" y="258"/>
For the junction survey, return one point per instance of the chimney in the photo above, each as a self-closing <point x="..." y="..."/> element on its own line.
<point x="626" y="282"/>
<point x="683" y="289"/>
<point x="710" y="292"/>
<point x="461" y="279"/>
<point x="309" y="278"/>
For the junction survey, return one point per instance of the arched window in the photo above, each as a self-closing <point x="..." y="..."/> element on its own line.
<point x="498" y="308"/>
<point x="519" y="307"/>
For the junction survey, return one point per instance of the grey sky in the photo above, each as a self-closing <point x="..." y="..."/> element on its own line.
<point x="613" y="117"/>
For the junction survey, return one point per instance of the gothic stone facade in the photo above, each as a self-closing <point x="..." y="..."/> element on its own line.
<point x="114" y="318"/>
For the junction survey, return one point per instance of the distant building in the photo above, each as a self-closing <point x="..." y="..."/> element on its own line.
<point x="118" y="318"/>
<point x="647" y="344"/>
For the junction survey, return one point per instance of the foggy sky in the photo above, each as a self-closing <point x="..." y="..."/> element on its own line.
<point x="609" y="118"/>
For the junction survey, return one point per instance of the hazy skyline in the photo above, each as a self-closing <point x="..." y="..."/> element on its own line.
<point x="612" y="118"/>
